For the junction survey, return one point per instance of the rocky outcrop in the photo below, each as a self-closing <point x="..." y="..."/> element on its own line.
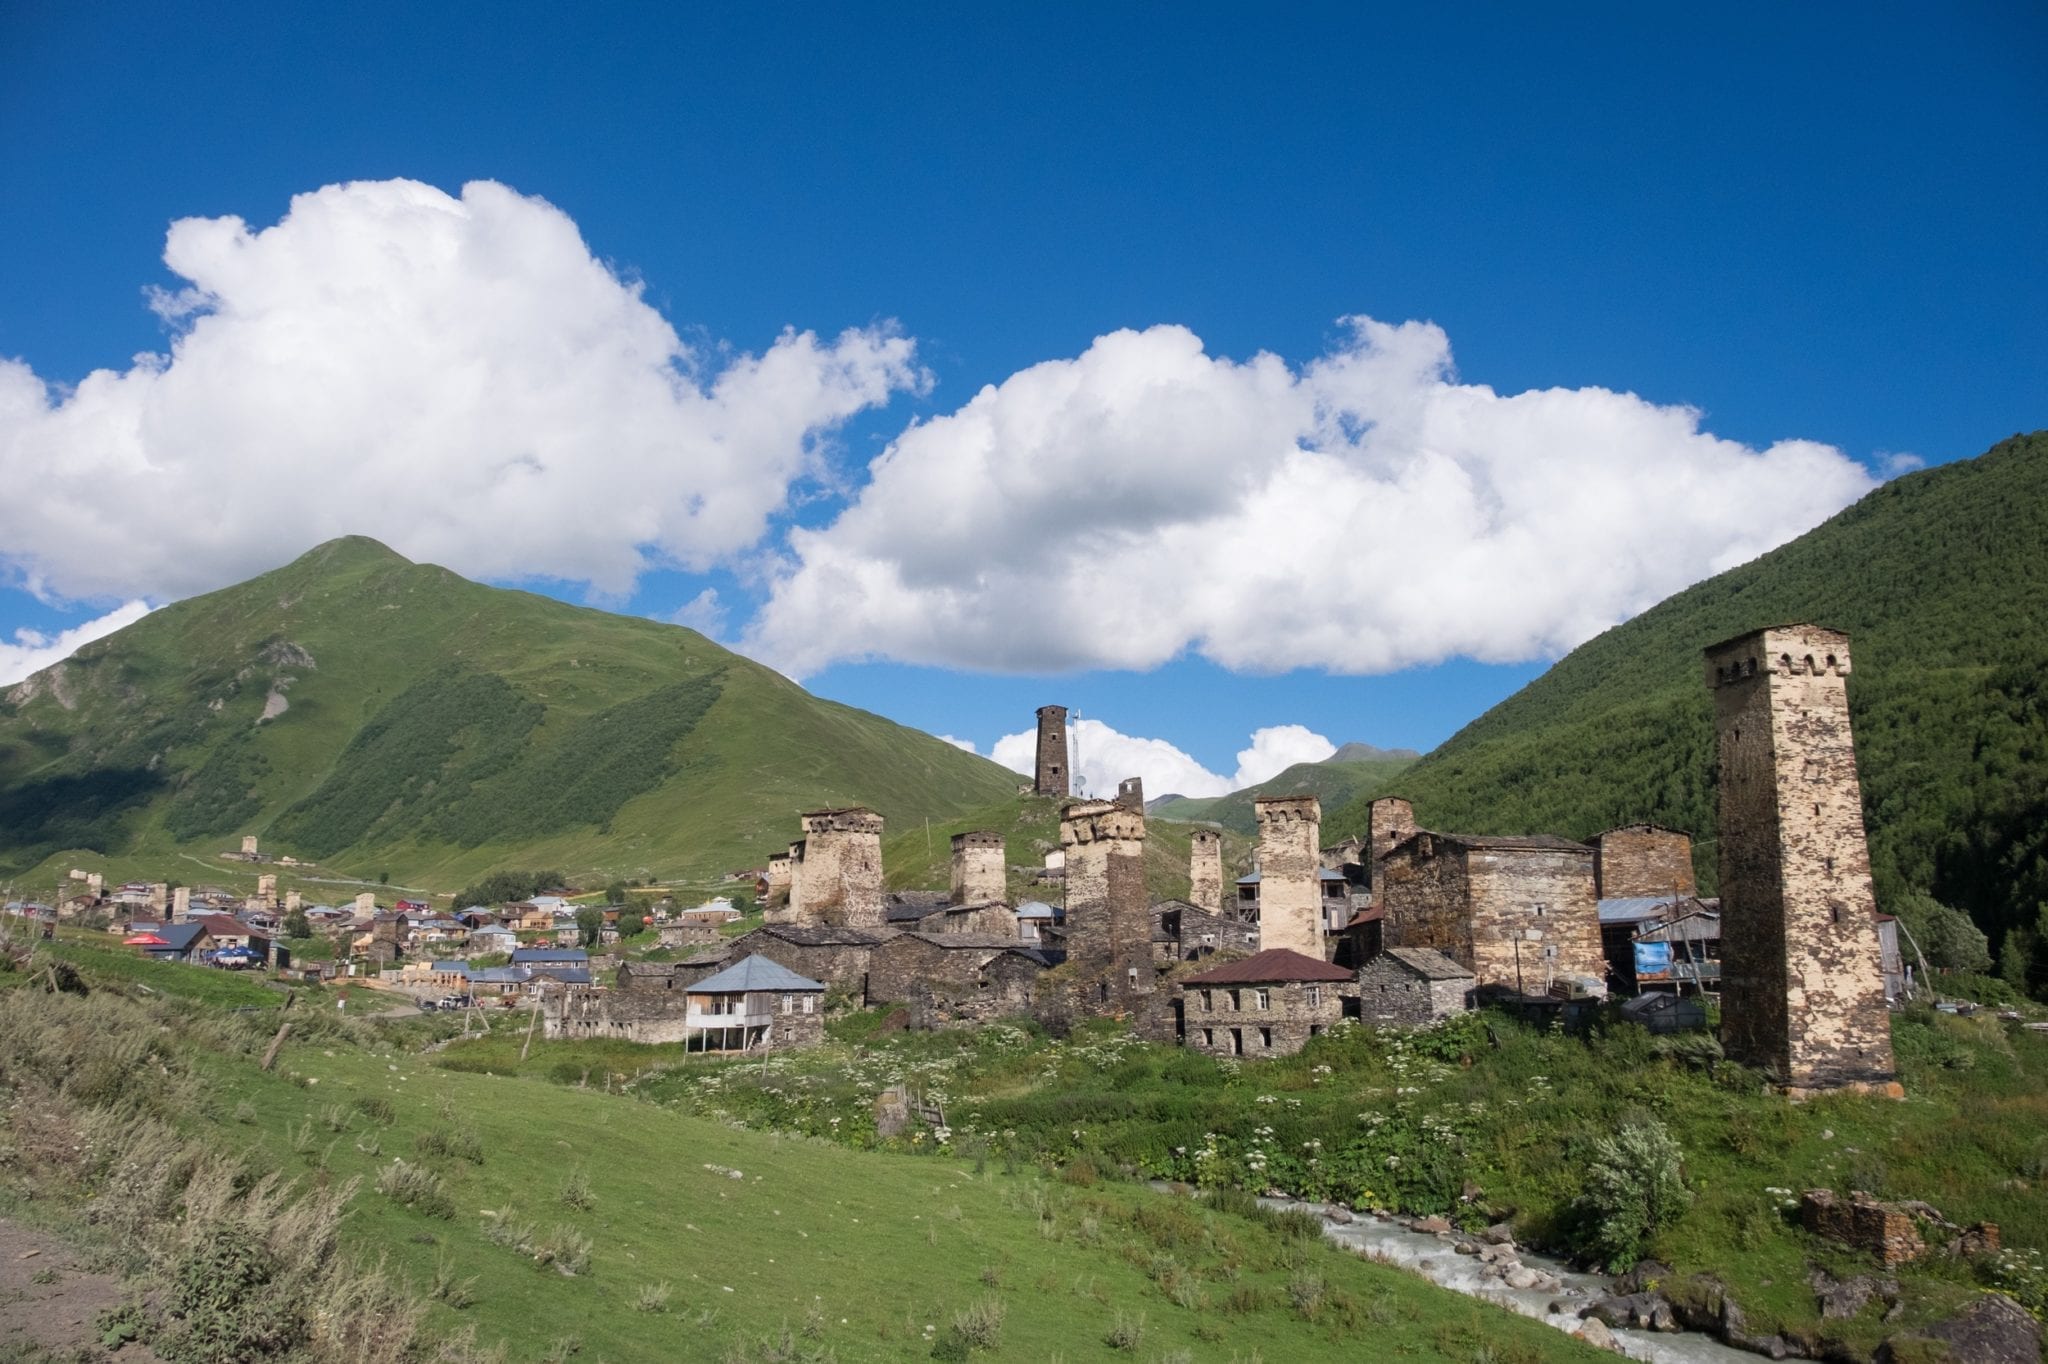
<point x="1992" y="1330"/>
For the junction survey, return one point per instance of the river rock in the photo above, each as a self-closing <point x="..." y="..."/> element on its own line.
<point x="1466" y="1248"/>
<point x="1340" y="1216"/>
<point x="1992" y="1330"/>
<point x="1523" y="1277"/>
<point x="1642" y="1311"/>
<point x="1499" y="1234"/>
<point x="1645" y="1273"/>
<point x="1435" y="1225"/>
<point x="1595" y="1333"/>
<point x="1840" y="1299"/>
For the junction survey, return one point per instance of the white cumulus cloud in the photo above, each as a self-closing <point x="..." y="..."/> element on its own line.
<point x="32" y="650"/>
<point x="1101" y="757"/>
<point x="457" y="376"/>
<point x="1361" y="513"/>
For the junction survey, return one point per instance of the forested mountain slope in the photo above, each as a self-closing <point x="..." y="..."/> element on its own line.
<point x="1337" y="781"/>
<point x="381" y="715"/>
<point x="1940" y="577"/>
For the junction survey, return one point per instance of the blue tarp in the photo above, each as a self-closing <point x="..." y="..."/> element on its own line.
<point x="1653" y="958"/>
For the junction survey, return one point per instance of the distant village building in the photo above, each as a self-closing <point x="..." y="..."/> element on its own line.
<point x="838" y="877"/>
<point x="1050" y="775"/>
<point x="752" y="1005"/>
<point x="979" y="872"/>
<point x="1109" y="967"/>
<point x="1269" y="1004"/>
<point x="1205" y="870"/>
<point x="1802" y="975"/>
<point x="1643" y="859"/>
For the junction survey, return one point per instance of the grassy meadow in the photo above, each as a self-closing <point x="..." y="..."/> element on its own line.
<point x="382" y="1197"/>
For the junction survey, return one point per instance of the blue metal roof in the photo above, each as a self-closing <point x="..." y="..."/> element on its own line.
<point x="754" y="973"/>
<point x="565" y="956"/>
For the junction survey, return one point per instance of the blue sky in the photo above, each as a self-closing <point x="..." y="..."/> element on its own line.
<point x="1808" y="242"/>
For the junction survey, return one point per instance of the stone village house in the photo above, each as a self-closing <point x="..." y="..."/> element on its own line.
<point x="1270" y="1004"/>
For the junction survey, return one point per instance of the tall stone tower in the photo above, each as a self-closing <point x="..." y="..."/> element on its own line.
<point x="1051" y="777"/>
<point x="1290" y="873"/>
<point x="1109" y="915"/>
<point x="1802" y="986"/>
<point x="1388" y="820"/>
<point x="979" y="876"/>
<point x="839" y="880"/>
<point x="1130" y="793"/>
<point x="1205" y="870"/>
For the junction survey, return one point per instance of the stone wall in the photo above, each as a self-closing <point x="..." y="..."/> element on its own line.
<point x="1130" y="793"/>
<point x="899" y="966"/>
<point x="1389" y="820"/>
<point x="979" y="870"/>
<point x="1862" y="1223"/>
<point x="1004" y="988"/>
<point x="686" y="933"/>
<point x="1290" y="863"/>
<point x="994" y="918"/>
<point x="1801" y="968"/>
<point x="1109" y="915"/>
<point x="1389" y="993"/>
<point x="1643" y="859"/>
<point x="655" y="1018"/>
<point x="1516" y="914"/>
<point x="839" y="959"/>
<point x="1259" y="1020"/>
<point x="839" y="879"/>
<point x="1050" y="773"/>
<point x="1205" y="870"/>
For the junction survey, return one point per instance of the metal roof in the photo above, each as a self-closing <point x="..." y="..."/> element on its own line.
<point x="1633" y="909"/>
<point x="755" y="973"/>
<point x="1427" y="962"/>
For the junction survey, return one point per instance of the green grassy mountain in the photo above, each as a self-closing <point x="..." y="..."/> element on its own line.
<point x="1355" y="769"/>
<point x="1940" y="577"/>
<point x="380" y="715"/>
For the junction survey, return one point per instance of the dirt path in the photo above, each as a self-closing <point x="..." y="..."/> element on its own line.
<point x="48" y="1299"/>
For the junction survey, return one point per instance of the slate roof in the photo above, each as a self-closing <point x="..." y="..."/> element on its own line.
<point x="961" y="942"/>
<point x="818" y="935"/>
<point x="550" y="956"/>
<point x="755" y="973"/>
<point x="1428" y="963"/>
<point x="1275" y="965"/>
<point x="448" y="966"/>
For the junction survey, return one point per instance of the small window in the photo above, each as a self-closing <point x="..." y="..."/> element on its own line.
<point x="788" y="1003"/>
<point x="1266" y="1038"/>
<point x="808" y="1002"/>
<point x="1315" y="995"/>
<point x="1265" y="999"/>
<point x="1208" y="1001"/>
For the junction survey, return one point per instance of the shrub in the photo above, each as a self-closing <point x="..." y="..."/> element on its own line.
<point x="415" y="1187"/>
<point x="978" y="1327"/>
<point x="1127" y="1332"/>
<point x="1635" y="1187"/>
<point x="653" y="1297"/>
<point x="376" y="1108"/>
<point x="576" y="1191"/>
<point x="456" y="1292"/>
<point x="459" y="1143"/>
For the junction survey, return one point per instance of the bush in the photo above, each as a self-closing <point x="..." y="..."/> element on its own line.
<point x="1635" y="1187"/>
<point x="577" y="1193"/>
<point x="415" y="1187"/>
<point x="979" y="1327"/>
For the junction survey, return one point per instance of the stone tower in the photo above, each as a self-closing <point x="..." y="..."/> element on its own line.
<point x="1802" y="986"/>
<point x="266" y="891"/>
<point x="1109" y="914"/>
<point x="1388" y="820"/>
<point x="839" y="879"/>
<point x="1205" y="870"/>
<point x="248" y="845"/>
<point x="1290" y="873"/>
<point x="1643" y="859"/>
<point x="181" y="904"/>
<point x="979" y="876"/>
<point x="1130" y="793"/>
<point x="1051" y="777"/>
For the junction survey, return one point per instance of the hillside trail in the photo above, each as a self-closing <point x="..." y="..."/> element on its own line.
<point x="49" y="1299"/>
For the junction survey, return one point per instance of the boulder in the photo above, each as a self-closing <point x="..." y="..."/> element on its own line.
<point x="1339" y="1215"/>
<point x="1840" y="1299"/>
<point x="1466" y="1248"/>
<point x="1645" y="1273"/>
<point x="1992" y="1330"/>
<point x="1595" y="1333"/>
<point x="1523" y="1277"/>
<point x="1436" y="1225"/>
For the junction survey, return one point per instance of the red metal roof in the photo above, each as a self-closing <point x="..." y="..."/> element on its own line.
<point x="1274" y="965"/>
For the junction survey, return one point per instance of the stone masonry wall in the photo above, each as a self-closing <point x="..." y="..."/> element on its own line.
<point x="899" y="966"/>
<point x="1227" y="1020"/>
<point x="1109" y="914"/>
<point x="979" y="872"/>
<point x="1290" y="888"/>
<point x="1426" y="898"/>
<point x="1205" y="870"/>
<point x="1390" y="993"/>
<point x="1642" y="859"/>
<point x="1050" y="774"/>
<point x="1003" y="989"/>
<point x="1388" y="821"/>
<point x="1802" y="970"/>
<point x="840" y="876"/>
<point x="1533" y="908"/>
